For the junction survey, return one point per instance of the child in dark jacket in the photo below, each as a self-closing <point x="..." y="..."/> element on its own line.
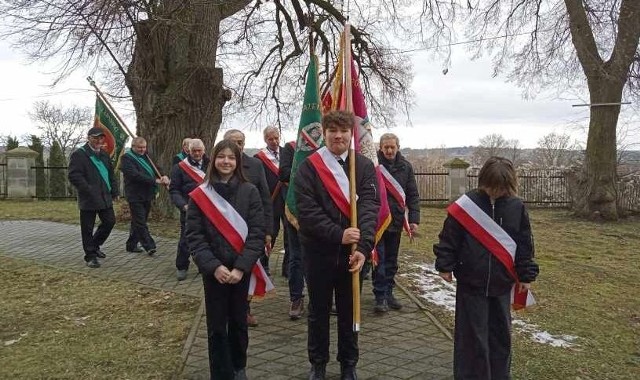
<point x="486" y="242"/>
<point x="225" y="234"/>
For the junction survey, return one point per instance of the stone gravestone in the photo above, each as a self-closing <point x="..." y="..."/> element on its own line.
<point x="20" y="177"/>
<point x="457" y="179"/>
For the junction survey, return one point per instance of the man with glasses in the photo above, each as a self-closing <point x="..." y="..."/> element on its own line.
<point x="91" y="172"/>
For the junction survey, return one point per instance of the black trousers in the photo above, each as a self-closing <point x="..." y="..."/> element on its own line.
<point x="139" y="231"/>
<point x="227" y="332"/>
<point x="278" y="216"/>
<point x="182" y="257"/>
<point x="482" y="343"/>
<point x="92" y="241"/>
<point x="324" y="276"/>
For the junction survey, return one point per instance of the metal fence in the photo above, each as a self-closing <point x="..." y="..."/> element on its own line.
<point x="537" y="187"/>
<point x="432" y="185"/>
<point x="3" y="180"/>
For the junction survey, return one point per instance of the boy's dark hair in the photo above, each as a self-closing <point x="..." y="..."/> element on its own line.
<point x="338" y="118"/>
<point x="235" y="149"/>
<point x="498" y="173"/>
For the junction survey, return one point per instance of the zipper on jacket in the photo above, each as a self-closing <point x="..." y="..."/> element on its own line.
<point x="493" y="217"/>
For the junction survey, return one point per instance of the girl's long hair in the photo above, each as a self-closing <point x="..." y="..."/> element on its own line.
<point x="237" y="172"/>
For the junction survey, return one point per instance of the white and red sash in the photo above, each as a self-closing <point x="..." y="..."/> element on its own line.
<point x="395" y="189"/>
<point x="333" y="177"/>
<point x="270" y="161"/>
<point x="234" y="229"/>
<point x="491" y="235"/>
<point x="196" y="174"/>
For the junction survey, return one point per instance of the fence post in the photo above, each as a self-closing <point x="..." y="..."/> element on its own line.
<point x="457" y="178"/>
<point x="21" y="180"/>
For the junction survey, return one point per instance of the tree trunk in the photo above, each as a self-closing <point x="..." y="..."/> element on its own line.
<point x="597" y="193"/>
<point x="176" y="89"/>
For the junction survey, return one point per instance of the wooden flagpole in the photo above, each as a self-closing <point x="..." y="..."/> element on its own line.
<point x="346" y="70"/>
<point x="121" y="122"/>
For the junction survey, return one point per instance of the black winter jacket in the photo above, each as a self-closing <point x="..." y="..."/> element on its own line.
<point x="476" y="269"/>
<point x="209" y="248"/>
<point x="272" y="183"/>
<point x="286" y="161"/>
<point x="402" y="171"/>
<point x="139" y="185"/>
<point x="321" y="223"/>
<point x="93" y="193"/>
<point x="182" y="184"/>
<point x="252" y="168"/>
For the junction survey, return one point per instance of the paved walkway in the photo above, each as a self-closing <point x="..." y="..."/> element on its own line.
<point x="409" y="344"/>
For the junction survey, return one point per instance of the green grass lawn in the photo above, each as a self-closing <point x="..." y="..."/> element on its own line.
<point x="56" y="324"/>
<point x="587" y="288"/>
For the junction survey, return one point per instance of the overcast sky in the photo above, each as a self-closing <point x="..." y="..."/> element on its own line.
<point x="450" y="110"/>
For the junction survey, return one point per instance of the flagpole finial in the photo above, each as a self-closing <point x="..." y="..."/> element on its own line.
<point x="90" y="80"/>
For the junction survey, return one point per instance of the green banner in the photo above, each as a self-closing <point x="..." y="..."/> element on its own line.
<point x="309" y="130"/>
<point x="115" y="136"/>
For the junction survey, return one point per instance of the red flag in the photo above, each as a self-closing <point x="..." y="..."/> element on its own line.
<point x="346" y="83"/>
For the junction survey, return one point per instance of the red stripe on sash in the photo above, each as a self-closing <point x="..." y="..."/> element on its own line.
<point x="190" y="172"/>
<point x="519" y="300"/>
<point x="267" y="161"/>
<point x="488" y="241"/>
<point x="399" y="196"/>
<point x="218" y="220"/>
<point x="330" y="184"/>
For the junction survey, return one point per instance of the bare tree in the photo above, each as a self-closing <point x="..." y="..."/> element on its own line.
<point x="556" y="150"/>
<point x="491" y="145"/>
<point x="513" y="151"/>
<point x="171" y="55"/>
<point x="65" y="125"/>
<point x="562" y="44"/>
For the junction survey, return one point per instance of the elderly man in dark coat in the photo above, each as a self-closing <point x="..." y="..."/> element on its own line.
<point x="91" y="172"/>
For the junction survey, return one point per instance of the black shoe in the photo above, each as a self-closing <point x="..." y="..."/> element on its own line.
<point x="240" y="374"/>
<point x="348" y="372"/>
<point x="151" y="252"/>
<point x="381" y="306"/>
<point x="318" y="372"/>
<point x="93" y="263"/>
<point x="393" y="303"/>
<point x="137" y="249"/>
<point x="100" y="254"/>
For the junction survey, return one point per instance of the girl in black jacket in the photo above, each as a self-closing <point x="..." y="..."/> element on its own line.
<point x="225" y="266"/>
<point x="482" y="343"/>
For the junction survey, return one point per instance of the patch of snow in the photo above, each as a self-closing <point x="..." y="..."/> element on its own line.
<point x="435" y="290"/>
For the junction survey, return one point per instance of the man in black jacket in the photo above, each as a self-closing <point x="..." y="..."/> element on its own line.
<point x="185" y="177"/>
<point x="270" y="157"/>
<point x="91" y="172"/>
<point x="326" y="239"/>
<point x="254" y="172"/>
<point x="402" y="183"/>
<point x="140" y="188"/>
